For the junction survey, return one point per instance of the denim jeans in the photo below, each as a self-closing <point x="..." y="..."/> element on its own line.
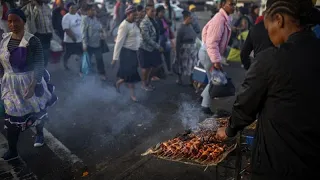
<point x="207" y="64"/>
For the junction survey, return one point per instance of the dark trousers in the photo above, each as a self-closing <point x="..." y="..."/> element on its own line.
<point x="97" y="52"/>
<point x="72" y="48"/>
<point x="167" y="59"/>
<point x="13" y="133"/>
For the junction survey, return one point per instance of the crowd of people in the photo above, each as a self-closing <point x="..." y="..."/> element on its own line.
<point x="278" y="88"/>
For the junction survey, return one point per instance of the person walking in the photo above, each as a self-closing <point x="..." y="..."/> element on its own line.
<point x="164" y="32"/>
<point x="186" y="49"/>
<point x="257" y="41"/>
<point x="5" y="5"/>
<point x="25" y="91"/>
<point x="92" y="34"/>
<point x="195" y="19"/>
<point x="279" y="90"/>
<point x="215" y="36"/>
<point x="140" y="14"/>
<point x="125" y="51"/>
<point x="119" y="14"/>
<point x="57" y="15"/>
<point x="150" y="49"/>
<point x="41" y="13"/>
<point x="71" y="24"/>
<point x="170" y="15"/>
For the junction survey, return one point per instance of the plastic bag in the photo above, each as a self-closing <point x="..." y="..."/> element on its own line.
<point x="222" y="90"/>
<point x="234" y="55"/>
<point x="85" y="63"/>
<point x="218" y="77"/>
<point x="55" y="46"/>
<point x="56" y="38"/>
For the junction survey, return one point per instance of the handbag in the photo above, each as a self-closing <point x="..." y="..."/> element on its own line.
<point x="85" y="64"/>
<point x="199" y="74"/>
<point x="222" y="90"/>
<point x="104" y="46"/>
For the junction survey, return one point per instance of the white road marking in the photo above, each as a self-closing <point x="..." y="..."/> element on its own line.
<point x="58" y="148"/>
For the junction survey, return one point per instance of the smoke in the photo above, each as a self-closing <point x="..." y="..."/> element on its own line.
<point x="188" y="112"/>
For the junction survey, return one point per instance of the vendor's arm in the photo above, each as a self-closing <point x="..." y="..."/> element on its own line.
<point x="252" y="93"/>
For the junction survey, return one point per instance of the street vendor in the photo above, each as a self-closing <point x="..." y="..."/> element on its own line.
<point x="279" y="87"/>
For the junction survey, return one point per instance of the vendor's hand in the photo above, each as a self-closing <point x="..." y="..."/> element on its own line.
<point x="221" y="134"/>
<point x="29" y="92"/>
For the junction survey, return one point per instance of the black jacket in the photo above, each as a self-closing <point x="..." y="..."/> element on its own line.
<point x="57" y="21"/>
<point x="279" y="86"/>
<point x="257" y="40"/>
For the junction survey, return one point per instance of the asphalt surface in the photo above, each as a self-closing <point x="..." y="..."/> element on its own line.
<point x="94" y="129"/>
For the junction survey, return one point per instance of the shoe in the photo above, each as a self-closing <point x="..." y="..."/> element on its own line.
<point x="134" y="99"/>
<point x="8" y="156"/>
<point x="146" y="88"/>
<point x="155" y="78"/>
<point x="207" y="111"/>
<point x="39" y="141"/>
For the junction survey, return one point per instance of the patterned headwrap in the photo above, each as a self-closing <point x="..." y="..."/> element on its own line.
<point x="18" y="12"/>
<point x="130" y="9"/>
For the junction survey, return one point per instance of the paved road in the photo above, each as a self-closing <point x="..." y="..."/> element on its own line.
<point x="96" y="129"/>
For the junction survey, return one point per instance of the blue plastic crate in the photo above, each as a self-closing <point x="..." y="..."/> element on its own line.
<point x="200" y="75"/>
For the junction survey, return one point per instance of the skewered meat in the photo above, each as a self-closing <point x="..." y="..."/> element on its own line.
<point x="201" y="147"/>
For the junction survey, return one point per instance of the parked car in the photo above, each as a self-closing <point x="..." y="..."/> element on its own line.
<point x="177" y="10"/>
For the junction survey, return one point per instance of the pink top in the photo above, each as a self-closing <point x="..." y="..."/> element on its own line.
<point x="216" y="35"/>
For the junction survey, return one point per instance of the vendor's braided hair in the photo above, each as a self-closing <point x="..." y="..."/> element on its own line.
<point x="301" y="10"/>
